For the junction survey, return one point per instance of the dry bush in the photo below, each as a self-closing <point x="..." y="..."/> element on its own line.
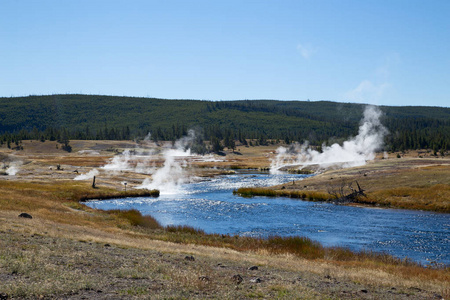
<point x="184" y="229"/>
<point x="136" y="218"/>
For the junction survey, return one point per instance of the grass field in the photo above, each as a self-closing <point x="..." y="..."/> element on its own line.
<point x="408" y="182"/>
<point x="68" y="250"/>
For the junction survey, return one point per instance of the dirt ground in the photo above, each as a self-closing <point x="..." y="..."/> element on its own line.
<point x="40" y="259"/>
<point x="75" y="256"/>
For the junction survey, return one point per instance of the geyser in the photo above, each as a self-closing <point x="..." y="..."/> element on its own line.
<point x="353" y="152"/>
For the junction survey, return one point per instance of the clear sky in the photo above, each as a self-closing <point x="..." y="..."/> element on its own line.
<point x="384" y="52"/>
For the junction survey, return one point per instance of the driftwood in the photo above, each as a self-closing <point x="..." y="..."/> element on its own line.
<point x="355" y="193"/>
<point x="342" y="197"/>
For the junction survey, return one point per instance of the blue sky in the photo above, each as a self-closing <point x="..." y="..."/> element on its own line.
<point x="394" y="52"/>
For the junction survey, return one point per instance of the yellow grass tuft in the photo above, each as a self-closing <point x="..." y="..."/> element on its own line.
<point x="268" y="192"/>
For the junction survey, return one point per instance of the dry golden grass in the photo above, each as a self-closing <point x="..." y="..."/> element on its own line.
<point x="352" y="275"/>
<point x="57" y="202"/>
<point x="409" y="183"/>
<point x="268" y="192"/>
<point x="57" y="213"/>
<point x="433" y="198"/>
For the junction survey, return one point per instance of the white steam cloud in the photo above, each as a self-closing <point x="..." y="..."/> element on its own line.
<point x="119" y="162"/>
<point x="89" y="175"/>
<point x="166" y="179"/>
<point x="368" y="91"/>
<point x="13" y="168"/>
<point x="354" y="152"/>
<point x="171" y="176"/>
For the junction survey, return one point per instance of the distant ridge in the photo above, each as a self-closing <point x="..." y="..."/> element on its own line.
<point x="316" y="121"/>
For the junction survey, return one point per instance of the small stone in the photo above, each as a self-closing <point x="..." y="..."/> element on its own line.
<point x="256" y="280"/>
<point x="3" y="296"/>
<point x="296" y="280"/>
<point x="253" y="268"/>
<point x="204" y="278"/>
<point x="189" y="258"/>
<point x="25" y="215"/>
<point x="237" y="278"/>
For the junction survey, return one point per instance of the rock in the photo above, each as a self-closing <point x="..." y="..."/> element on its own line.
<point x="237" y="278"/>
<point x="25" y="215"/>
<point x="365" y="291"/>
<point x="3" y="296"/>
<point x="204" y="278"/>
<point x="256" y="280"/>
<point x="107" y="245"/>
<point x="253" y="268"/>
<point x="189" y="258"/>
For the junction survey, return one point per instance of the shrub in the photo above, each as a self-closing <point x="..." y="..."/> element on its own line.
<point x="136" y="218"/>
<point x="184" y="229"/>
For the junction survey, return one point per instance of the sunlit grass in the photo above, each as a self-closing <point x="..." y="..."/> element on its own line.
<point x="385" y="192"/>
<point x="54" y="202"/>
<point x="434" y="198"/>
<point x="267" y="192"/>
<point x="136" y="218"/>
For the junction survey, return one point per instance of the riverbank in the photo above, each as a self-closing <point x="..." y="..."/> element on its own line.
<point x="68" y="250"/>
<point x="407" y="183"/>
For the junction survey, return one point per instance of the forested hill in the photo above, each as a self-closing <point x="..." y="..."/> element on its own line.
<point x="110" y="117"/>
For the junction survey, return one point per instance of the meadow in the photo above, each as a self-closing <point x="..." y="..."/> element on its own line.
<point x="68" y="250"/>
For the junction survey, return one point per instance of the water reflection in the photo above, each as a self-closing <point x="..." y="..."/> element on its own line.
<point x="211" y="206"/>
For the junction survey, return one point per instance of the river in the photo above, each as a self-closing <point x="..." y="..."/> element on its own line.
<point x="210" y="205"/>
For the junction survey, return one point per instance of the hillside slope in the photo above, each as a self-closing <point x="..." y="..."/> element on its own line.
<point x="292" y="120"/>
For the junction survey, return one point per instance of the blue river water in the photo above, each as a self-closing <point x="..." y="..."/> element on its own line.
<point x="210" y="205"/>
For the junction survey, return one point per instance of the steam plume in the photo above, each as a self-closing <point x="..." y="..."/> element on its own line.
<point x="353" y="152"/>
<point x="119" y="162"/>
<point x="13" y="168"/>
<point x="169" y="178"/>
<point x="89" y="175"/>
